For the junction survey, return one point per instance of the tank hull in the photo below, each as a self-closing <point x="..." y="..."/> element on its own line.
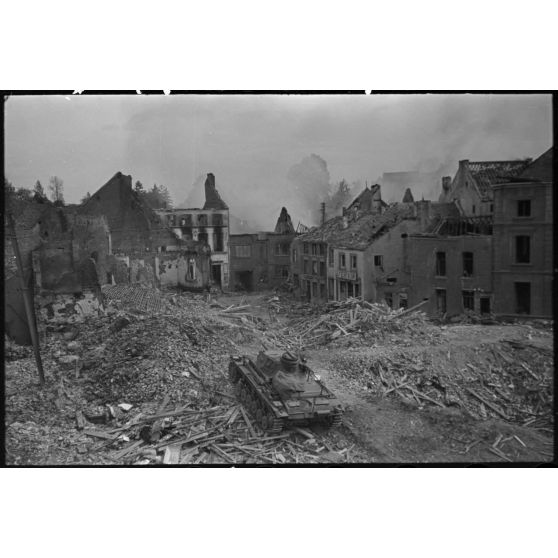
<point x="276" y="397"/>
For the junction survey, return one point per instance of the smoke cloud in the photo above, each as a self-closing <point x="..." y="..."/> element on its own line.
<point x="266" y="151"/>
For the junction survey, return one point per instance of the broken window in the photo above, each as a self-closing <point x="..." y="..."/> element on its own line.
<point x="322" y="249"/>
<point x="522" y="298"/>
<point x="314" y="249"/>
<point x="441" y="301"/>
<point x="217" y="220"/>
<point x="242" y="250"/>
<point x="314" y="267"/>
<point x="218" y="240"/>
<point x="305" y="247"/>
<point x="403" y="302"/>
<point x="202" y="220"/>
<point x="441" y="264"/>
<point x="357" y="289"/>
<point x="331" y="288"/>
<point x="392" y="280"/>
<point x="314" y="289"/>
<point x="522" y="249"/>
<point x="468" y="300"/>
<point x="282" y="271"/>
<point x="191" y="269"/>
<point x="491" y="208"/>
<point x="322" y="290"/>
<point x="524" y="208"/>
<point x="474" y="209"/>
<point x="342" y="262"/>
<point x="353" y="261"/>
<point x="294" y="255"/>
<point x="305" y="266"/>
<point x="467" y="264"/>
<point x="331" y="257"/>
<point x="323" y="269"/>
<point x="342" y="290"/>
<point x="485" y="305"/>
<point x="378" y="261"/>
<point x="389" y="299"/>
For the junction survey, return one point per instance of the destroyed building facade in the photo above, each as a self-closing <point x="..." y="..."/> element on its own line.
<point x="209" y="225"/>
<point x="145" y="249"/>
<point x="262" y="260"/>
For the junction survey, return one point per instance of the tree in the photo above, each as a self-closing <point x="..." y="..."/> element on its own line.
<point x="39" y="190"/>
<point x="138" y="187"/>
<point x="158" y="197"/>
<point x="86" y="198"/>
<point x="56" y="188"/>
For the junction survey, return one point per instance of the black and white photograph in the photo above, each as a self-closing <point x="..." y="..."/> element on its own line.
<point x="290" y="278"/>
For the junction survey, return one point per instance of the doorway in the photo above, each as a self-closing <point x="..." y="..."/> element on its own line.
<point x="216" y="274"/>
<point x="523" y="298"/>
<point x="485" y="305"/>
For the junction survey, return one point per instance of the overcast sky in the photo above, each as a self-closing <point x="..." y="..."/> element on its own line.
<point x="251" y="142"/>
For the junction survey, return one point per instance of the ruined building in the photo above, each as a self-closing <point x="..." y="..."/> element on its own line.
<point x="472" y="186"/>
<point x="209" y="225"/>
<point x="362" y="253"/>
<point x="495" y="257"/>
<point x="262" y="260"/>
<point x="145" y="249"/>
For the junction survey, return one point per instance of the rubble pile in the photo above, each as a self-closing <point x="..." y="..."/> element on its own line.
<point x="364" y="321"/>
<point x="218" y="434"/>
<point x="143" y="299"/>
<point x="504" y="386"/>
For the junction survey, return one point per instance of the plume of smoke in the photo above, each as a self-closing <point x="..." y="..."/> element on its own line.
<point x="310" y="183"/>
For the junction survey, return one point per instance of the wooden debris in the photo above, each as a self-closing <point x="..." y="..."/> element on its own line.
<point x="487" y="403"/>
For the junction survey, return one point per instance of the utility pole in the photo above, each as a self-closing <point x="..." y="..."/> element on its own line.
<point x="26" y="300"/>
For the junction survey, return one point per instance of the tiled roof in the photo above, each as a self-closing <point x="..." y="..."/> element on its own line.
<point x="488" y="173"/>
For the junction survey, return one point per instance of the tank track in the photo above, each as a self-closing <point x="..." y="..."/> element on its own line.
<point x="265" y="419"/>
<point x="335" y="420"/>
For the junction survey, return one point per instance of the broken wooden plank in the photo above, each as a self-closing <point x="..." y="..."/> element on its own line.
<point x="487" y="403"/>
<point x="247" y="421"/>
<point x="100" y="434"/>
<point x="120" y="454"/>
<point x="305" y="433"/>
<point x="425" y="397"/>
<point x="172" y="454"/>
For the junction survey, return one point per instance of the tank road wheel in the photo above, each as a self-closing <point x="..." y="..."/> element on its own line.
<point x="274" y="425"/>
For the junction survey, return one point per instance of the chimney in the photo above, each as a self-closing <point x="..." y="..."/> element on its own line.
<point x="212" y="198"/>
<point x="464" y="165"/>
<point x="344" y="211"/>
<point x="322" y="209"/>
<point x="446" y="183"/>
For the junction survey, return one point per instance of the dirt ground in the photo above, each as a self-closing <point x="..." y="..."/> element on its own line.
<point x="377" y="427"/>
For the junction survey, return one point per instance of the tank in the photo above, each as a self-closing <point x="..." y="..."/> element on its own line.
<point x="280" y="389"/>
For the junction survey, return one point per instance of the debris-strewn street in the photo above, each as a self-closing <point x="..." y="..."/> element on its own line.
<point x="145" y="382"/>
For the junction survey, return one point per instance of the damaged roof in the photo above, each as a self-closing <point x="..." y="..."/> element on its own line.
<point x="361" y="232"/>
<point x="488" y="173"/>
